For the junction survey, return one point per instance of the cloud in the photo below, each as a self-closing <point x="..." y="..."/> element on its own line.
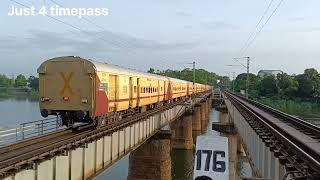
<point x="214" y="25"/>
<point x="52" y="42"/>
<point x="183" y="14"/>
<point x="187" y="26"/>
<point x="24" y="54"/>
<point x="303" y="18"/>
<point x="298" y="19"/>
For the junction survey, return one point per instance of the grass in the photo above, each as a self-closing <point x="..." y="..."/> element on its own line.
<point x="294" y="107"/>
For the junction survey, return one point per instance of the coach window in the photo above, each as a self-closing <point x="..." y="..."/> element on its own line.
<point x="124" y="89"/>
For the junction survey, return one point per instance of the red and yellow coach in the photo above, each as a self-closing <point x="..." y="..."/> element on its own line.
<point x="81" y="90"/>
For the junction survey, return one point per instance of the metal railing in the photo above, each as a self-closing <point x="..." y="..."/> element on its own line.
<point x="29" y="129"/>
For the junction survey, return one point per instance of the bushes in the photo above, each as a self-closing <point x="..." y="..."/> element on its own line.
<point x="295" y="107"/>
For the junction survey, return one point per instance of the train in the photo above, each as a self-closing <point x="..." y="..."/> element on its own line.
<point x="85" y="91"/>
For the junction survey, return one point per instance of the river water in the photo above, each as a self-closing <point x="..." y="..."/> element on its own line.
<point x="16" y="110"/>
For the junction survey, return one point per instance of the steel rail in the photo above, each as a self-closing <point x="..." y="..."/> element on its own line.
<point x="309" y="156"/>
<point x="48" y="147"/>
<point x="287" y="117"/>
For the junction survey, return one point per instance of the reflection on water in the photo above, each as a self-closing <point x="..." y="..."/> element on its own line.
<point x="118" y="171"/>
<point x="18" y="109"/>
<point x="182" y="164"/>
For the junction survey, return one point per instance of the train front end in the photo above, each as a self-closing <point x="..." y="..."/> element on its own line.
<point x="66" y="88"/>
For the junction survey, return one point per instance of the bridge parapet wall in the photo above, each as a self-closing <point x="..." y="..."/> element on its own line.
<point x="263" y="161"/>
<point x="93" y="155"/>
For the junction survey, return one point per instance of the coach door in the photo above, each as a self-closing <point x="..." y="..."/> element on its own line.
<point x="138" y="91"/>
<point x="112" y="94"/>
<point x="130" y="92"/>
<point x="158" y="90"/>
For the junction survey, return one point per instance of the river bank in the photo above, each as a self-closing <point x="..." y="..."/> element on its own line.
<point x="33" y="94"/>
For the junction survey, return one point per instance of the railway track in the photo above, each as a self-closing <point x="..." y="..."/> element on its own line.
<point x="294" y="141"/>
<point x="23" y="154"/>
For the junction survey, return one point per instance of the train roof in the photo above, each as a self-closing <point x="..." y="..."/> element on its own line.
<point x="99" y="66"/>
<point x="122" y="70"/>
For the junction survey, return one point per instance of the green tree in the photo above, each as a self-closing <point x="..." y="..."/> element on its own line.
<point x="20" y="81"/>
<point x="287" y="84"/>
<point x="269" y="86"/>
<point x="4" y="81"/>
<point x="202" y="76"/>
<point x="151" y="70"/>
<point x="33" y="83"/>
<point x="254" y="84"/>
<point x="309" y="83"/>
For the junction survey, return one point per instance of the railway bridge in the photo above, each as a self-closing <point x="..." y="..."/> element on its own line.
<point x="83" y="154"/>
<point x="278" y="145"/>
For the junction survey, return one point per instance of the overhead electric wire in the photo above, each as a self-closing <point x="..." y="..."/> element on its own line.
<point x="254" y="31"/>
<point x="120" y="39"/>
<point x="261" y="28"/>
<point x="79" y="29"/>
<point x="85" y="32"/>
<point x="123" y="41"/>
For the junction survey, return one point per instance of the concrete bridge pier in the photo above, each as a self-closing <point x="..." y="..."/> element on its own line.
<point x="196" y="123"/>
<point x="203" y="118"/>
<point x="182" y="132"/>
<point x="233" y="156"/>
<point x="152" y="161"/>
<point x="196" y="118"/>
<point x="208" y="106"/>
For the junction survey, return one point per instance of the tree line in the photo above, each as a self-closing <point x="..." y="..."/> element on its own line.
<point x="201" y="76"/>
<point x="20" y="81"/>
<point x="305" y="86"/>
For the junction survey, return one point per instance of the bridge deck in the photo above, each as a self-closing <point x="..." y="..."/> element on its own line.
<point x="293" y="140"/>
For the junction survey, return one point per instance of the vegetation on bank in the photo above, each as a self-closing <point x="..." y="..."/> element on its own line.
<point x="303" y="109"/>
<point x="19" y="82"/>
<point x="294" y="94"/>
<point x="305" y="87"/>
<point x="202" y="76"/>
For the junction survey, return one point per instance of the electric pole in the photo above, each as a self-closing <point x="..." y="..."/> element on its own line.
<point x="247" y="82"/>
<point x="233" y="79"/>
<point x="248" y="71"/>
<point x="194" y="75"/>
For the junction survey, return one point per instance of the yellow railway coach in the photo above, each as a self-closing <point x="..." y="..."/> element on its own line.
<point x="81" y="90"/>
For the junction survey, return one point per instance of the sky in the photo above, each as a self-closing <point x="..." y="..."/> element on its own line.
<point x="165" y="34"/>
